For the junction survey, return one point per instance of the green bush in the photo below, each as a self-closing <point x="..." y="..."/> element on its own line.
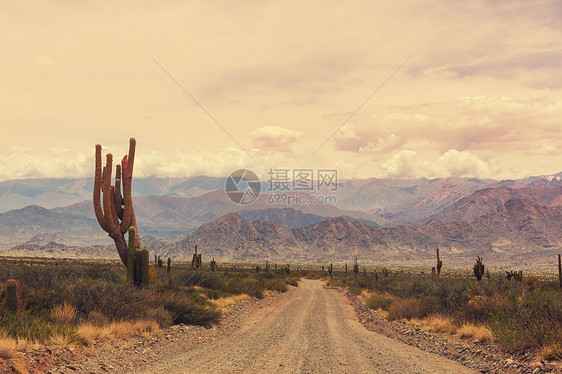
<point x="379" y="302"/>
<point x="184" y="310"/>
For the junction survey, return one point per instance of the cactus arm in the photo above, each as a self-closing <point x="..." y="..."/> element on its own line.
<point x="127" y="199"/>
<point x="118" y="197"/>
<point x="127" y="174"/>
<point x="108" y="200"/>
<point x="98" y="180"/>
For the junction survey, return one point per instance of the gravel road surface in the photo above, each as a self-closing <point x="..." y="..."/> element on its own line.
<point x="311" y="330"/>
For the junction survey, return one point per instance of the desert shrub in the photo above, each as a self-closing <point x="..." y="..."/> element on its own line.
<point x="184" y="310"/>
<point x="249" y="286"/>
<point x="203" y="279"/>
<point x="274" y="284"/>
<point x="115" y="301"/>
<point x="97" y="319"/>
<point x="292" y="281"/>
<point x="408" y="308"/>
<point x="379" y="302"/>
<point x="162" y="316"/>
<point x="355" y="290"/>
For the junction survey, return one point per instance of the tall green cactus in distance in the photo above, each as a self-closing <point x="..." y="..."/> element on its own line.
<point x="559" y="271"/>
<point x="145" y="275"/>
<point x="138" y="267"/>
<point x="113" y="205"/>
<point x="355" y="267"/>
<point x="478" y="268"/>
<point x="12" y="301"/>
<point x="439" y="263"/>
<point x="330" y="270"/>
<point x="169" y="269"/>
<point x="213" y="265"/>
<point x="194" y="259"/>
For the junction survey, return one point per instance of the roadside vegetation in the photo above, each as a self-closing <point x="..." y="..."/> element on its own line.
<point x="69" y="302"/>
<point x="518" y="314"/>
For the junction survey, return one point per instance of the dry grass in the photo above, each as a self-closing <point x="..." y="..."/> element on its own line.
<point x="91" y="332"/>
<point x="8" y="348"/>
<point x="435" y="323"/>
<point x="383" y="313"/>
<point x="63" y="313"/>
<point x="62" y="340"/>
<point x="479" y="333"/>
<point x="226" y="302"/>
<point x="551" y="352"/>
<point x="125" y="329"/>
<point x="117" y="330"/>
<point x="8" y="352"/>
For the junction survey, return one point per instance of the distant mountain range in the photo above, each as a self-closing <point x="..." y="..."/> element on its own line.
<point x="516" y="227"/>
<point x="463" y="216"/>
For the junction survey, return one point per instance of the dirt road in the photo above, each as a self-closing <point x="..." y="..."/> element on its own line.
<point x="312" y="330"/>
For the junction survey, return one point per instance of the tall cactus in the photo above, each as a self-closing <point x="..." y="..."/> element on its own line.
<point x="12" y="295"/>
<point x="478" y="268"/>
<point x="196" y="261"/>
<point x="559" y="271"/>
<point x="355" y="268"/>
<point x="439" y="263"/>
<point x="114" y="211"/>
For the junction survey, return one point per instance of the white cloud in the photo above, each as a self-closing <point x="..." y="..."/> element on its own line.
<point x="453" y="163"/>
<point x="274" y="138"/>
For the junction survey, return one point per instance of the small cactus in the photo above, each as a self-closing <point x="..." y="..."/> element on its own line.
<point x="346" y="268"/>
<point x="145" y="276"/>
<point x="258" y="268"/>
<point x="266" y="266"/>
<point x="169" y="268"/>
<point x="288" y="269"/>
<point x="559" y="271"/>
<point x="330" y="270"/>
<point x="131" y="256"/>
<point x="439" y="263"/>
<point x="138" y="267"/>
<point x="12" y="295"/>
<point x="355" y="267"/>
<point x="160" y="264"/>
<point x="478" y="268"/>
<point x="213" y="265"/>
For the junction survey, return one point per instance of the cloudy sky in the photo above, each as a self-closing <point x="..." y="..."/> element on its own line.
<point x="479" y="92"/>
